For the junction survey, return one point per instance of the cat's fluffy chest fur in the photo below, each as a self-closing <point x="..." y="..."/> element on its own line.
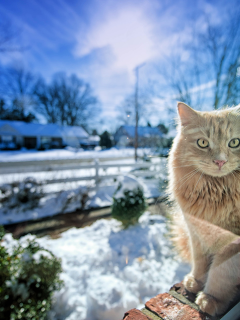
<point x="214" y="199"/>
<point x="204" y="182"/>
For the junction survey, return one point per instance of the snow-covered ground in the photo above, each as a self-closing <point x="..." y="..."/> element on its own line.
<point x="66" y="197"/>
<point x="69" y="200"/>
<point x="68" y="153"/>
<point x="108" y="270"/>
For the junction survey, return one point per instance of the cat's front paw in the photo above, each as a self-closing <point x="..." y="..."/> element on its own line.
<point x="191" y="284"/>
<point x="209" y="304"/>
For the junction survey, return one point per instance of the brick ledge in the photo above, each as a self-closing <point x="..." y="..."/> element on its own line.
<point x="177" y="304"/>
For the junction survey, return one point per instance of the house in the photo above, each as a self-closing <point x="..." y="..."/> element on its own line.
<point x="147" y="136"/>
<point x="18" y="134"/>
<point x="91" y="143"/>
<point x="74" y="136"/>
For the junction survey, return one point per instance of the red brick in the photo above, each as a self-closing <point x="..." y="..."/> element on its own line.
<point x="179" y="288"/>
<point x="135" y="314"/>
<point x="169" y="308"/>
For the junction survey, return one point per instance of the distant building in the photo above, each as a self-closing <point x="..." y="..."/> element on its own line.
<point x="18" y="134"/>
<point x="91" y="143"/>
<point x="147" y="136"/>
<point x="74" y="136"/>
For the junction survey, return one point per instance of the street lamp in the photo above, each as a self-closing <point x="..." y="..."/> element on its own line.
<point x="136" y="109"/>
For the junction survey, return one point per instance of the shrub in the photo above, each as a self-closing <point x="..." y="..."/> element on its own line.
<point x="28" y="276"/>
<point x="128" y="205"/>
<point x="105" y="140"/>
<point x="25" y="194"/>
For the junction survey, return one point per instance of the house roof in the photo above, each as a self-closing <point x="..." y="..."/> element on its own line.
<point x="36" y="129"/>
<point x="74" y="131"/>
<point x="142" y="131"/>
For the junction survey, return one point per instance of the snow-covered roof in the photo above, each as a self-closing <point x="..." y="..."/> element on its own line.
<point x="142" y="131"/>
<point x="36" y="129"/>
<point x="74" y="131"/>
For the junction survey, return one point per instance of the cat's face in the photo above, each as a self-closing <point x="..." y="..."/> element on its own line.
<point x="210" y="141"/>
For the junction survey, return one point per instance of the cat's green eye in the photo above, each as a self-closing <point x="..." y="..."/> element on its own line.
<point x="202" y="143"/>
<point x="234" y="143"/>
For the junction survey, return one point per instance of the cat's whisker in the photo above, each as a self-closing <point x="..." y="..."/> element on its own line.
<point x="191" y="161"/>
<point x="197" y="182"/>
<point x="186" y="178"/>
<point x="206" y="165"/>
<point x="187" y="175"/>
<point x="237" y="173"/>
<point x="187" y="160"/>
<point x="233" y="175"/>
<point x="189" y="165"/>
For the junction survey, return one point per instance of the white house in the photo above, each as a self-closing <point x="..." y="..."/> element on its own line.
<point x="91" y="143"/>
<point x="17" y="134"/>
<point x="74" y="136"/>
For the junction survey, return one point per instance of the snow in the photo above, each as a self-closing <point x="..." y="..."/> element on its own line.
<point x="49" y="205"/>
<point x="70" y="200"/>
<point x="67" y="153"/>
<point x="24" y="129"/>
<point x="66" y="197"/>
<point x="128" y="182"/>
<point x="108" y="270"/>
<point x="41" y="253"/>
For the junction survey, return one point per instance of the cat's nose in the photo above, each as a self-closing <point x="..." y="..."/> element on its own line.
<point x="219" y="163"/>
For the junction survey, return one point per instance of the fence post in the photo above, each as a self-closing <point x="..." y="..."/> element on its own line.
<point x="96" y="172"/>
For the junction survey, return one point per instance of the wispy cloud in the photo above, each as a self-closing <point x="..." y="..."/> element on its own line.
<point x="127" y="34"/>
<point x="103" y="41"/>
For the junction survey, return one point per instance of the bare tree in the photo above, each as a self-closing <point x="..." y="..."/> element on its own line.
<point x="213" y="65"/>
<point x="222" y="45"/>
<point x="16" y="90"/>
<point x="47" y="100"/>
<point x="14" y="82"/>
<point x="66" y="100"/>
<point x="180" y="79"/>
<point x="126" y="109"/>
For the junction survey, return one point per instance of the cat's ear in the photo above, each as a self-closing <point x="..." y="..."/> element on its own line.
<point x="186" y="114"/>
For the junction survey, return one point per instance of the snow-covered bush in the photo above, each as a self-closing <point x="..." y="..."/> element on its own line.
<point x="128" y="202"/>
<point x="26" y="194"/>
<point x="28" y="276"/>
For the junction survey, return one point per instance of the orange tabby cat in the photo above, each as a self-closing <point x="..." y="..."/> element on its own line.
<point x="204" y="168"/>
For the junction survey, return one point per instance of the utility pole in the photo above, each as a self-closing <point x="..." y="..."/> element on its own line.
<point x="136" y="110"/>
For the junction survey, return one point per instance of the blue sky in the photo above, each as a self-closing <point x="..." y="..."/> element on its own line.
<point x="103" y="41"/>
